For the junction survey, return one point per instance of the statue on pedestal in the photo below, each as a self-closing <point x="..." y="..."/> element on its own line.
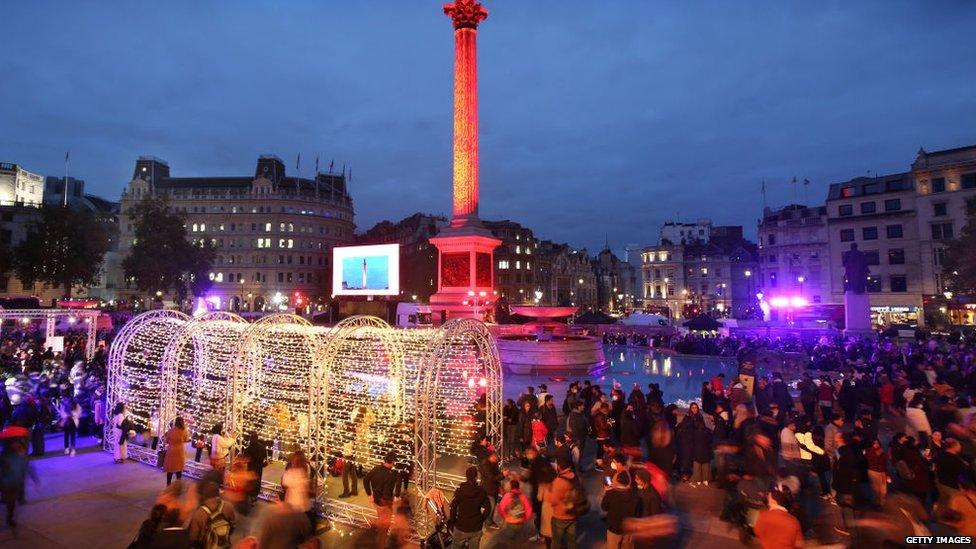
<point x="856" y="270"/>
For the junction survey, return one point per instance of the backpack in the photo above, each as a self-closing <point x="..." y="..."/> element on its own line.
<point x="516" y="509"/>
<point x="216" y="533"/>
<point x="575" y="501"/>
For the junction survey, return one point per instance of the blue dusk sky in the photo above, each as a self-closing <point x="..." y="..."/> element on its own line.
<point x="598" y="119"/>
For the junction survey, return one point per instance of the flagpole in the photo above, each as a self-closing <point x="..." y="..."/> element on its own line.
<point x="66" y="155"/>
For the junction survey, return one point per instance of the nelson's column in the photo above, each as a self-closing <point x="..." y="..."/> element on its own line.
<point x="465" y="262"/>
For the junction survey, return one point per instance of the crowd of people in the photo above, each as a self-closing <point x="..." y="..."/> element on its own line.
<point x="45" y="391"/>
<point x="873" y="441"/>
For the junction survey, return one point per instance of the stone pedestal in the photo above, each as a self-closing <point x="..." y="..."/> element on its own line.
<point x="857" y="314"/>
<point x="465" y="263"/>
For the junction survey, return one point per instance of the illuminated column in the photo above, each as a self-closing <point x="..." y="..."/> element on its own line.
<point x="466" y="15"/>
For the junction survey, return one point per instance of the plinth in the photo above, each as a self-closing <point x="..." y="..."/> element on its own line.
<point x="857" y="314"/>
<point x="465" y="263"/>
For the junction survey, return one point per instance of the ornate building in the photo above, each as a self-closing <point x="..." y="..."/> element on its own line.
<point x="273" y="233"/>
<point x="616" y="282"/>
<point x="794" y="252"/>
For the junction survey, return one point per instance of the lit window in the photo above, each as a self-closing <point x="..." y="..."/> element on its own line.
<point x="518" y="264"/>
<point x="267" y="227"/>
<point x="503" y="264"/>
<point x="518" y="249"/>
<point x="203" y="227"/>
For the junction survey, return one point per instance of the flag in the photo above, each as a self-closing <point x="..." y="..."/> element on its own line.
<point x="66" y="155"/>
<point x="298" y="162"/>
<point x="331" y="163"/>
<point x="806" y="181"/>
<point x="316" y="165"/>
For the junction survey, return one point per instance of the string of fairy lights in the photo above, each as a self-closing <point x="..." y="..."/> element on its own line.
<point x="348" y="392"/>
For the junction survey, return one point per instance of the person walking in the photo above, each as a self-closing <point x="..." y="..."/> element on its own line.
<point x="297" y="485"/>
<point x="175" y="440"/>
<point x="469" y="511"/>
<point x="620" y="502"/>
<point x="220" y="446"/>
<point x="550" y="417"/>
<point x="877" y="471"/>
<point x="775" y="527"/>
<point x="120" y="432"/>
<point x="566" y="498"/>
<point x="212" y="523"/>
<point x="510" y="422"/>
<point x="70" y="421"/>
<point x="491" y="481"/>
<point x="380" y="483"/>
<point x="516" y="514"/>
<point x="257" y="458"/>
<point x="694" y="447"/>
<point x="14" y="470"/>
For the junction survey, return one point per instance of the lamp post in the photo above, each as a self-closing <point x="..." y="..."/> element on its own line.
<point x="948" y="308"/>
<point x="748" y="274"/>
<point x="477" y="299"/>
<point x="240" y="306"/>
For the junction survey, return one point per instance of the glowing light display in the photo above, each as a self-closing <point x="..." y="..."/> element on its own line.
<point x="357" y="390"/>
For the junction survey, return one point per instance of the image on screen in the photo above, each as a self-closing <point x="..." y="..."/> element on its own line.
<point x="366" y="273"/>
<point x="366" y="270"/>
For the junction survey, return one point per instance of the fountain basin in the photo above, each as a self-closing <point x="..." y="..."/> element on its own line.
<point x="523" y="354"/>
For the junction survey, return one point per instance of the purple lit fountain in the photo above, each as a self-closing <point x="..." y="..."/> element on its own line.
<point x="545" y="344"/>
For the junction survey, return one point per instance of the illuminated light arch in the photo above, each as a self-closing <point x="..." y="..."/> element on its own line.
<point x="270" y="381"/>
<point x="356" y="404"/>
<point x="461" y="368"/>
<point x="198" y="367"/>
<point x="135" y="361"/>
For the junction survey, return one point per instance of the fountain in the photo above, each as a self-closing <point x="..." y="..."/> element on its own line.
<point x="545" y="345"/>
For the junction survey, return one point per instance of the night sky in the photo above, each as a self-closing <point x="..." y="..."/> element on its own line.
<point x="598" y="119"/>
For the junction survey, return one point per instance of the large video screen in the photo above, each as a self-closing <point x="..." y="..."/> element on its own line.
<point x="366" y="270"/>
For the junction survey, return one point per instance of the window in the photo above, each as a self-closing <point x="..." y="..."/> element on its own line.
<point x="942" y="231"/>
<point x="503" y="264"/>
<point x="845" y="209"/>
<point x="872" y="188"/>
<point x="771" y="239"/>
<point x="772" y="280"/>
<point x="938" y="185"/>
<point x="847" y="192"/>
<point x="892" y="204"/>
<point x="869" y="207"/>
<point x="872" y="257"/>
<point x="896" y="256"/>
<point x="894" y="231"/>
<point x="939" y="209"/>
<point x="873" y="284"/>
<point x="869" y="233"/>
<point x="938" y="255"/>
<point x="772" y="258"/>
<point x="847" y="235"/>
<point x="968" y="180"/>
<point x="899" y="283"/>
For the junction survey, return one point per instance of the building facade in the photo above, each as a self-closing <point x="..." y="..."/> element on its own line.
<point x="794" y="251"/>
<point x="515" y="265"/>
<point x="713" y="277"/>
<point x="945" y="184"/>
<point x="566" y="276"/>
<point x="19" y="186"/>
<point x="677" y="232"/>
<point x="879" y="215"/>
<point x="273" y="233"/>
<point x="616" y="282"/>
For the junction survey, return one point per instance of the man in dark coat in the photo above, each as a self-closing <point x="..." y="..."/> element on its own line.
<point x="469" y="511"/>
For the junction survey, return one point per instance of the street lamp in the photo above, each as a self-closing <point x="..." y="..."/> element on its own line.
<point x="538" y="296"/>
<point x="241" y="304"/>
<point x="477" y="299"/>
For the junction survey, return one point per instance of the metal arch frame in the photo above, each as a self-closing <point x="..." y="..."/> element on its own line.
<point x="319" y="396"/>
<point x="114" y="392"/>
<point x="463" y="331"/>
<point x="170" y="367"/>
<point x="51" y="317"/>
<point x="246" y="378"/>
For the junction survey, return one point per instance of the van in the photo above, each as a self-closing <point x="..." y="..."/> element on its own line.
<point x="412" y="315"/>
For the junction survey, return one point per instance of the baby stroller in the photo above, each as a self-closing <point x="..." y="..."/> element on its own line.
<point x="441" y="536"/>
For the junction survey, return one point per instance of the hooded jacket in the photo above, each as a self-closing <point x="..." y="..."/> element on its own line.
<point x="469" y="508"/>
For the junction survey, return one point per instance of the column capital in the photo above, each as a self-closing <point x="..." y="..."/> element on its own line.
<point x="466" y="14"/>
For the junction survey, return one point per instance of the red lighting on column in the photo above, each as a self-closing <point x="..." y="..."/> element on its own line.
<point x="466" y="15"/>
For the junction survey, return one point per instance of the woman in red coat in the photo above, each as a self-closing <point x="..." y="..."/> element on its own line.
<point x="539" y="431"/>
<point x="175" y="440"/>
